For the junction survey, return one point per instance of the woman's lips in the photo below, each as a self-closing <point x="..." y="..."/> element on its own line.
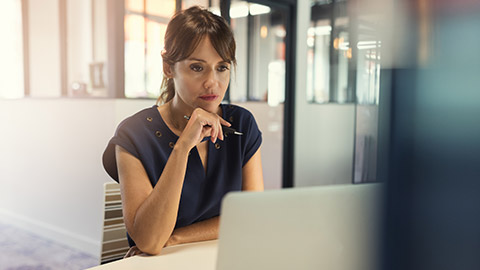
<point x="209" y="97"/>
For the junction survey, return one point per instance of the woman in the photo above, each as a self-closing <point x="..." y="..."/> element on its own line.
<point x="173" y="162"/>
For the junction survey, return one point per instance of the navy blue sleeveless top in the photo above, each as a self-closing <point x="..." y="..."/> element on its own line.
<point x="146" y="136"/>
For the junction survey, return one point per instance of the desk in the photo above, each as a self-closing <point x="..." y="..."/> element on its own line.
<point x="199" y="255"/>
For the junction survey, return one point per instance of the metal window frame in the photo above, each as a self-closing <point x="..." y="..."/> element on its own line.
<point x="26" y="45"/>
<point x="62" y="16"/>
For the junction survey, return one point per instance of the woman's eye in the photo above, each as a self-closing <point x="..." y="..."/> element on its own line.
<point x="222" y="68"/>
<point x="196" y="68"/>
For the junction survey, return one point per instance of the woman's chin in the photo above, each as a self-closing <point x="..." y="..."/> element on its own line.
<point x="213" y="107"/>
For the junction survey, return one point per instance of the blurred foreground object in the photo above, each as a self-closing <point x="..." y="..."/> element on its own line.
<point x="429" y="150"/>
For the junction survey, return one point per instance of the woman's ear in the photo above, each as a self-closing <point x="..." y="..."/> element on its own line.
<point x="167" y="70"/>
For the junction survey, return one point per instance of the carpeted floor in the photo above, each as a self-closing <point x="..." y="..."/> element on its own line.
<point x="22" y="250"/>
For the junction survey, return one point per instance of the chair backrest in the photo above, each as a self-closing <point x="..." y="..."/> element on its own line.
<point x="114" y="242"/>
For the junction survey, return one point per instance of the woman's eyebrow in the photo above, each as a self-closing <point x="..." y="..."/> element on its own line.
<point x="201" y="60"/>
<point x="196" y="59"/>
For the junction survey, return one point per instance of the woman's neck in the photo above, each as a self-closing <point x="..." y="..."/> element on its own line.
<point x="176" y="114"/>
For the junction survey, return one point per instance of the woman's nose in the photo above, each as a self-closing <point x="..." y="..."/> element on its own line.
<point x="210" y="80"/>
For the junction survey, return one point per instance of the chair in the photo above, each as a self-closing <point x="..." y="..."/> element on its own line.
<point x="114" y="242"/>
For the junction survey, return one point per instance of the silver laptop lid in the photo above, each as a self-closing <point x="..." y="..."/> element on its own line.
<point x="330" y="227"/>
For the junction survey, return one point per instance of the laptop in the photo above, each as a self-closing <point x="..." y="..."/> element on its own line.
<point x="329" y="227"/>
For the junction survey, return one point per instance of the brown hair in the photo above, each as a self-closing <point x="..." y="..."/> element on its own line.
<point x="185" y="31"/>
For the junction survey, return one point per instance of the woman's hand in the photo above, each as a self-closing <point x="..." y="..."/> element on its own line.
<point x="202" y="124"/>
<point x="133" y="251"/>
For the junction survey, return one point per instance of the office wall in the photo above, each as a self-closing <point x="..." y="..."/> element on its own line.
<point x="50" y="165"/>
<point x="324" y="133"/>
<point x="270" y="122"/>
<point x="50" y="170"/>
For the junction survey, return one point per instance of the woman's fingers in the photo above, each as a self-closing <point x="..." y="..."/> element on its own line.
<point x="210" y="124"/>
<point x="206" y="132"/>
<point x="224" y="122"/>
<point x="220" y="131"/>
<point x="132" y="252"/>
<point x="212" y="132"/>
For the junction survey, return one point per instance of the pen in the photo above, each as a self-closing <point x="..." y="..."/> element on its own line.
<point x="226" y="130"/>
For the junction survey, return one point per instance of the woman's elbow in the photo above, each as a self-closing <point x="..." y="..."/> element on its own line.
<point x="150" y="248"/>
<point x="154" y="250"/>
<point x="152" y="244"/>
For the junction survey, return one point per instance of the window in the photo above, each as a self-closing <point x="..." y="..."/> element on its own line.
<point x="343" y="55"/>
<point x="145" y="24"/>
<point x="189" y="3"/>
<point x="11" y="50"/>
<point x="259" y="33"/>
<point x="318" y="76"/>
<point x="329" y="54"/>
<point x="86" y="60"/>
<point x="368" y="65"/>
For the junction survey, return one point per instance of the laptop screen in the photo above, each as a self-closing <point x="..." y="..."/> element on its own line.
<point x="330" y="227"/>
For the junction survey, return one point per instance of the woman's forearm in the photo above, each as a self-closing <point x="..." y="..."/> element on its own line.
<point x="155" y="218"/>
<point x="200" y="231"/>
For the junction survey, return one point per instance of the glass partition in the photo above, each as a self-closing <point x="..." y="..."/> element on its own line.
<point x="344" y="61"/>
<point x="367" y="85"/>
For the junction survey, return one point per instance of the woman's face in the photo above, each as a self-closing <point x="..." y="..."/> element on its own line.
<point x="202" y="79"/>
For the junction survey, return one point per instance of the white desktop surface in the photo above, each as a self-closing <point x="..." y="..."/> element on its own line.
<point x="199" y="255"/>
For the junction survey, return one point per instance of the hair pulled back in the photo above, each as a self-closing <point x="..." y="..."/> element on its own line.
<point x="185" y="31"/>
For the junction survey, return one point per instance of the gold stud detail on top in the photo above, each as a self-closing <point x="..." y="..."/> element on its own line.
<point x="217" y="146"/>
<point x="171" y="144"/>
<point x="149" y="119"/>
<point x="158" y="134"/>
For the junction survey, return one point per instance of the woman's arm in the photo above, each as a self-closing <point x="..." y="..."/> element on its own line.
<point x="199" y="231"/>
<point x="144" y="207"/>
<point x="252" y="173"/>
<point x="252" y="178"/>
